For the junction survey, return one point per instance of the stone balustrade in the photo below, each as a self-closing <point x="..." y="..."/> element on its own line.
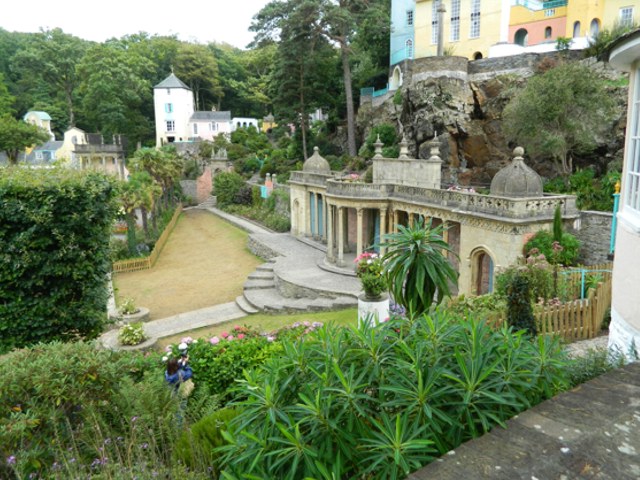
<point x="359" y="190"/>
<point x="310" y="178"/>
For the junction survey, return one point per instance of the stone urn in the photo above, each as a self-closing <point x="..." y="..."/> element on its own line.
<point x="140" y="315"/>
<point x="373" y="310"/>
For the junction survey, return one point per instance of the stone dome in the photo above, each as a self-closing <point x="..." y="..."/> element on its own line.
<point x="517" y="179"/>
<point x="316" y="164"/>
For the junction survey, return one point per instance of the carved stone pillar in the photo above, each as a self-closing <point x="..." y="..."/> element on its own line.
<point x="411" y="216"/>
<point x="330" y="234"/>
<point x="316" y="219"/>
<point x="359" y="235"/>
<point x="396" y="220"/>
<point x="383" y="228"/>
<point x="341" y="229"/>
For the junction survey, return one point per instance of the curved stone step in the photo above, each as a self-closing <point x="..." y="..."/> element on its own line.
<point x="261" y="275"/>
<point x="258" y="284"/>
<point x="270" y="300"/>
<point x="245" y="306"/>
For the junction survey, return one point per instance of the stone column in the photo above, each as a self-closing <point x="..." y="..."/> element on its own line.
<point x="340" y="261"/>
<point x="359" y="242"/>
<point x="330" y="234"/>
<point x="307" y="215"/>
<point x="411" y="215"/>
<point x="316" y="220"/>
<point x="441" y="12"/>
<point x="396" y="220"/>
<point x="383" y="228"/>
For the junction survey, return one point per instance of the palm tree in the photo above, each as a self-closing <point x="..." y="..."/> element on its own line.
<point x="417" y="268"/>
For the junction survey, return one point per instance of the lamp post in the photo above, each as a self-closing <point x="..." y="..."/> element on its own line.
<point x="614" y="222"/>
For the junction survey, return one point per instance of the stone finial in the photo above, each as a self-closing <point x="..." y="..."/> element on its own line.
<point x="315" y="163"/>
<point x="434" y="150"/>
<point x="378" y="147"/>
<point x="518" y="152"/>
<point x="274" y="178"/>
<point x="404" y="148"/>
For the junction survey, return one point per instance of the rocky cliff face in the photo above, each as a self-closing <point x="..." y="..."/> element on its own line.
<point x="464" y="109"/>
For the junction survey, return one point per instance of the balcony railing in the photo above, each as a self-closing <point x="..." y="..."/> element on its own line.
<point x="541" y="5"/>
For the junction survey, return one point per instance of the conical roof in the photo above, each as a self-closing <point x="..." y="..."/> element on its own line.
<point x="172" y="82"/>
<point x="517" y="179"/>
<point x="315" y="163"/>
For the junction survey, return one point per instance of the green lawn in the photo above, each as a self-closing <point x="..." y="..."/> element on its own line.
<point x="267" y="323"/>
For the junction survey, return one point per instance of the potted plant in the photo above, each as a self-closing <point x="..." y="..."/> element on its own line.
<point x="129" y="312"/>
<point x="132" y="334"/>
<point x="418" y="270"/>
<point x="373" y="306"/>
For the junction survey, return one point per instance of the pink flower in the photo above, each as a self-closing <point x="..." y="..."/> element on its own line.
<point x="186" y="340"/>
<point x="230" y="337"/>
<point x="224" y="334"/>
<point x="237" y="327"/>
<point x="270" y="338"/>
<point x="168" y="349"/>
<point x="214" y="340"/>
<point x="306" y="324"/>
<point x="385" y="320"/>
<point x="240" y="336"/>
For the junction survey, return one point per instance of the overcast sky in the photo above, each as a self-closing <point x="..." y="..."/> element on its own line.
<point x="194" y="20"/>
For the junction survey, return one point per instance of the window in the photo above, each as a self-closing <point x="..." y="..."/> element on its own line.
<point x="195" y="128"/>
<point x="594" y="28"/>
<point x="632" y="162"/>
<point x="434" y="21"/>
<point x="576" y="29"/>
<point x="171" y="126"/>
<point x="168" y="107"/>
<point x="213" y="126"/>
<point x="521" y="37"/>
<point x="410" y="18"/>
<point x="550" y="12"/>
<point x="168" y="91"/>
<point x="38" y="155"/>
<point x="408" y="45"/>
<point x="455" y="20"/>
<point x="626" y="16"/>
<point x="474" y="32"/>
<point x="547" y="32"/>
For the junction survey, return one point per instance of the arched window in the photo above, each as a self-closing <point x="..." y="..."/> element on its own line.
<point x="408" y="45"/>
<point x="547" y="32"/>
<point x="576" y="29"/>
<point x="477" y="55"/>
<point x="594" y="28"/>
<point x="482" y="272"/>
<point x="521" y="37"/>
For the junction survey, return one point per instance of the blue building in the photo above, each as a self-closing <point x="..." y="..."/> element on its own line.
<point x="402" y="30"/>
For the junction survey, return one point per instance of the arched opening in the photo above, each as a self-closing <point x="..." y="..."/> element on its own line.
<point x="594" y="28"/>
<point x="547" y="32"/>
<point x="408" y="46"/>
<point x="521" y="37"/>
<point x="477" y="56"/>
<point x="396" y="79"/>
<point x="482" y="272"/>
<point x="576" y="29"/>
<point x="295" y="218"/>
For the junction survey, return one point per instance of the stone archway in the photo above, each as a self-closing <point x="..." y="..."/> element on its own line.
<point x="295" y="218"/>
<point x="482" y="271"/>
<point x="396" y="79"/>
<point x="521" y="37"/>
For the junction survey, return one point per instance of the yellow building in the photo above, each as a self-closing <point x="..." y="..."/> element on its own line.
<point x="470" y="27"/>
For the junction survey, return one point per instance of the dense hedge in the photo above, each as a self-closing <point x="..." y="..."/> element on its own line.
<point x="54" y="254"/>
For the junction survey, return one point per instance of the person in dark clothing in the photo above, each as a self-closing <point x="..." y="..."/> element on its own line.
<point x="178" y="371"/>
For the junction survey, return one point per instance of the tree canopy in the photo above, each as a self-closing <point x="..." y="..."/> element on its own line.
<point x="16" y="135"/>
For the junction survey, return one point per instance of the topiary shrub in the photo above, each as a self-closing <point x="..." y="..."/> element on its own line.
<point x="55" y="227"/>
<point x="519" y="309"/>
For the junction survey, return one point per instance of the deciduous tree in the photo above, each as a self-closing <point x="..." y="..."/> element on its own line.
<point x="16" y="135"/>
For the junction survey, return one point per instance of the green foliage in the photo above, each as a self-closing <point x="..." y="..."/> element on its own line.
<point x="370" y="271"/>
<point x="557" y="225"/>
<point x="388" y="137"/>
<point x="54" y="238"/>
<point x="16" y="135"/>
<point x="558" y="112"/>
<point x="519" y="308"/>
<point x="197" y="445"/>
<point x="272" y="212"/>
<point x="594" y="363"/>
<point x="565" y="254"/>
<point x="599" y="44"/>
<point x="60" y="396"/>
<point x="539" y="275"/>
<point x="226" y="186"/>
<point x="592" y="193"/>
<point x="418" y="271"/>
<point x="563" y="44"/>
<point x="127" y="307"/>
<point x="380" y="402"/>
<point x="132" y="334"/>
<point x="397" y="97"/>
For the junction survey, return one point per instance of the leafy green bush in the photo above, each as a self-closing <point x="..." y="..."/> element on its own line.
<point x="55" y="227"/>
<point x="564" y="254"/>
<point x="226" y="186"/>
<point x="53" y="396"/>
<point x="380" y="402"/>
<point x="591" y="193"/>
<point x="132" y="334"/>
<point x="196" y="446"/>
<point x="539" y="275"/>
<point x="388" y="137"/>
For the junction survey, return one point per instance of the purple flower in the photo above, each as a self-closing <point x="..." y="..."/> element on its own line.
<point x="144" y="446"/>
<point x="316" y="324"/>
<point x="11" y="460"/>
<point x="134" y="418"/>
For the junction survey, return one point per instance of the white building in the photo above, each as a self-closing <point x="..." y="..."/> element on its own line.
<point x="176" y="117"/>
<point x="624" y="330"/>
<point x="244" y="122"/>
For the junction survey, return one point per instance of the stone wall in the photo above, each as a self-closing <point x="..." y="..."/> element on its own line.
<point x="593" y="229"/>
<point x="200" y="189"/>
<point x="259" y="249"/>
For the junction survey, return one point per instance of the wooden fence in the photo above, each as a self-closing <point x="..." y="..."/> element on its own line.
<point x="578" y="319"/>
<point x="146" y="263"/>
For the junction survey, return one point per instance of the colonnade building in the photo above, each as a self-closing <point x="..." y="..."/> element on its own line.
<point x="486" y="232"/>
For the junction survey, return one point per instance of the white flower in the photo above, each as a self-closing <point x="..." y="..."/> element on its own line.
<point x="183" y="346"/>
<point x="165" y="358"/>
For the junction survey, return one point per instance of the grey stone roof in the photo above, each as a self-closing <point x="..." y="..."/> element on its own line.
<point x="50" y="146"/>
<point x="315" y="163"/>
<point x="172" y="82"/>
<point x="224" y="116"/>
<point x="517" y="179"/>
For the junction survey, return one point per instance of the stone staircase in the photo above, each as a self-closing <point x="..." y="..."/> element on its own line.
<point x="261" y="293"/>
<point x="208" y="203"/>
